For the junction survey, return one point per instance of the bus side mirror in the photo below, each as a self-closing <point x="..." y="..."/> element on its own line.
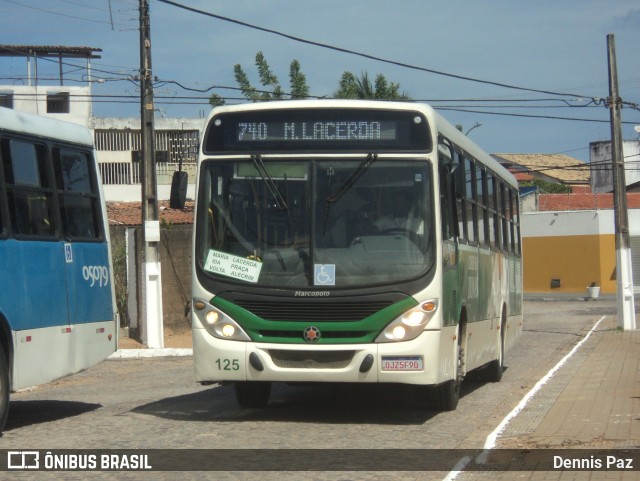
<point x="179" y="184"/>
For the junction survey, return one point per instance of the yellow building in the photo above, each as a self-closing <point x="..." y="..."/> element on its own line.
<point x="565" y="252"/>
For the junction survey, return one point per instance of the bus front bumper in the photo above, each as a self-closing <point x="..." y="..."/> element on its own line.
<point x="428" y="359"/>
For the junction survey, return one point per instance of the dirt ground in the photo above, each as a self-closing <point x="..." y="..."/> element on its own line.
<point x="171" y="339"/>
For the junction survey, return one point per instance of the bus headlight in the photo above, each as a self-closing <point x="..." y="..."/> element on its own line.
<point x="410" y="324"/>
<point x="218" y="324"/>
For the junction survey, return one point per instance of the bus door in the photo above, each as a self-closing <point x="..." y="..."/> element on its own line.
<point x="88" y="280"/>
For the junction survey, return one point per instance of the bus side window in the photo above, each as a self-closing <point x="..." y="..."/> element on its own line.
<point x="506" y="216"/>
<point x="2" y="202"/>
<point x="79" y="207"/>
<point x="498" y="212"/>
<point x="470" y="208"/>
<point x="516" y="222"/>
<point x="492" y="216"/>
<point x="446" y="196"/>
<point x="29" y="190"/>
<point x="480" y="206"/>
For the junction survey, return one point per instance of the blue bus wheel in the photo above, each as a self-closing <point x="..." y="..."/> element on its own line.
<point x="4" y="389"/>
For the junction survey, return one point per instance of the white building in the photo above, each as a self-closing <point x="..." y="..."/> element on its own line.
<point x="118" y="149"/>
<point x="117" y="140"/>
<point x="601" y="165"/>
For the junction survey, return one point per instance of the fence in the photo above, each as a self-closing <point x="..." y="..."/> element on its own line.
<point x="119" y="154"/>
<point x="175" y="259"/>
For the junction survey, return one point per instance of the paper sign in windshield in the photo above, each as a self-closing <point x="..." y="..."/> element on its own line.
<point x="233" y="266"/>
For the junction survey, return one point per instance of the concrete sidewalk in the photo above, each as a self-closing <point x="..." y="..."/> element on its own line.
<point x="592" y="402"/>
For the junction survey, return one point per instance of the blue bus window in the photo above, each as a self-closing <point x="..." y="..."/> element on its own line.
<point x="72" y="171"/>
<point x="78" y="201"/>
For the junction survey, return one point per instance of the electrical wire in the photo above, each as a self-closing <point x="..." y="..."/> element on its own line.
<point x="365" y="55"/>
<point x="53" y="12"/>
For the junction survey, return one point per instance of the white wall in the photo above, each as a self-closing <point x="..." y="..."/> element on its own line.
<point x="575" y="222"/>
<point x="34" y="100"/>
<point x="600" y="157"/>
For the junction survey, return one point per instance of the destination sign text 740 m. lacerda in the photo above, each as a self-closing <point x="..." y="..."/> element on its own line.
<point x="316" y="131"/>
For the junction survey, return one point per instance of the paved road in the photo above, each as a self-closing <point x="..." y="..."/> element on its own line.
<point x="155" y="403"/>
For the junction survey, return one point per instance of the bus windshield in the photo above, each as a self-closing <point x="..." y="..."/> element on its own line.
<point x="334" y="222"/>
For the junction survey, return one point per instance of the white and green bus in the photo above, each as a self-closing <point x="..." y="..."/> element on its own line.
<point x="351" y="241"/>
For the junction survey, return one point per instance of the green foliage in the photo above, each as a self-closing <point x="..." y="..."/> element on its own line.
<point x="272" y="90"/>
<point x="119" y="259"/>
<point x="298" y="81"/>
<point x="547" y="187"/>
<point x="349" y="87"/>
<point x="353" y="87"/>
<point x="215" y="100"/>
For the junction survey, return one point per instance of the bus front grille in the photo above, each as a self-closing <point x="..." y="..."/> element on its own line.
<point x="311" y="359"/>
<point x="285" y="310"/>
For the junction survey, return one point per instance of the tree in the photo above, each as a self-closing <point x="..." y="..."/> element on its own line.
<point x="272" y="90"/>
<point x="215" y="100"/>
<point x="352" y="87"/>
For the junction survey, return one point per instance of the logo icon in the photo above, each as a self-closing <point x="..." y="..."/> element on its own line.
<point x="324" y="274"/>
<point x="23" y="460"/>
<point x="68" y="253"/>
<point x="312" y="334"/>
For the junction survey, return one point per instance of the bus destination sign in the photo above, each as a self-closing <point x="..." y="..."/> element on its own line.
<point x="333" y="131"/>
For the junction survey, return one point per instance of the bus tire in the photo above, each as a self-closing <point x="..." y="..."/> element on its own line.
<point x="493" y="371"/>
<point x="4" y="389"/>
<point x="446" y="395"/>
<point x="252" y="394"/>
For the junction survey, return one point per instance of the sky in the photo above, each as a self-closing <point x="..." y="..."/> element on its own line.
<point x="552" y="46"/>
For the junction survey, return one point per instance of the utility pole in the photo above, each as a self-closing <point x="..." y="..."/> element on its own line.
<point x="152" y="322"/>
<point x="626" y="306"/>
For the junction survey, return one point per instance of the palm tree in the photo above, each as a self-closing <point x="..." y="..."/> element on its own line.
<point x="272" y="90"/>
<point x="352" y="87"/>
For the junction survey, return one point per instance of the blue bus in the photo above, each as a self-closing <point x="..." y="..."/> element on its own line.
<point x="57" y="304"/>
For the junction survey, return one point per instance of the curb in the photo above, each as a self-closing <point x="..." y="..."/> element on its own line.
<point x="145" y="353"/>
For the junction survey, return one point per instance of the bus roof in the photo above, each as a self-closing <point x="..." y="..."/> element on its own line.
<point x="45" y="127"/>
<point x="443" y="126"/>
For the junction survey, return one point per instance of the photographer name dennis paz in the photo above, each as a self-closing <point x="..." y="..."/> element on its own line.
<point x="593" y="463"/>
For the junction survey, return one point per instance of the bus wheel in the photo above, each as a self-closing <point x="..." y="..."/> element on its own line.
<point x="493" y="371"/>
<point x="4" y="390"/>
<point x="447" y="395"/>
<point x="253" y="394"/>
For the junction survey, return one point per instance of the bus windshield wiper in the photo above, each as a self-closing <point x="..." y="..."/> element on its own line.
<point x="350" y="182"/>
<point x="362" y="167"/>
<point x="268" y="180"/>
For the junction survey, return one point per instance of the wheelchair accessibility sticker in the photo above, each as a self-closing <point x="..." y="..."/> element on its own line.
<point x="324" y="274"/>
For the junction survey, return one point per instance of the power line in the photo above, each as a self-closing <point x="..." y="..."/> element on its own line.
<point x="529" y="116"/>
<point x="365" y="55"/>
<point x="53" y="12"/>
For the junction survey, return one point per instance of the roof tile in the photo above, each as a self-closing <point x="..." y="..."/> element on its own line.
<point x="130" y="213"/>
<point x="561" y="167"/>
